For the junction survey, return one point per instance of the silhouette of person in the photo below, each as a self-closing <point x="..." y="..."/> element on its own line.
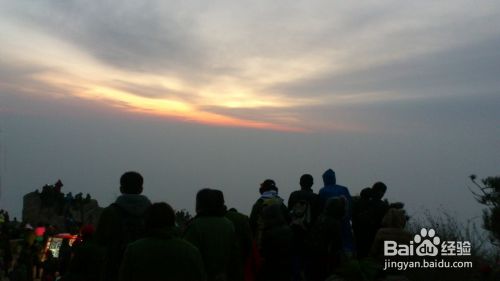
<point x="276" y="246"/>
<point x="393" y="225"/>
<point x="88" y="257"/>
<point x="332" y="189"/>
<point x="269" y="196"/>
<point x="241" y="224"/>
<point x="303" y="205"/>
<point x="364" y="222"/>
<point x="380" y="206"/>
<point x="161" y="255"/>
<point x="324" y="244"/>
<point x="214" y="236"/>
<point x="122" y="222"/>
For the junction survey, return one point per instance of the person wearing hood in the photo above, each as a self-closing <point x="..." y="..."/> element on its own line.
<point x="122" y="222"/>
<point x="333" y="190"/>
<point x="215" y="237"/>
<point x="161" y="255"/>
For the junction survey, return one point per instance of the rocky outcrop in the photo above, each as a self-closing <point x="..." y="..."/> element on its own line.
<point x="59" y="211"/>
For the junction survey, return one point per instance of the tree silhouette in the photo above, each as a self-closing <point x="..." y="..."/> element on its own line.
<point x="487" y="193"/>
<point x="182" y="217"/>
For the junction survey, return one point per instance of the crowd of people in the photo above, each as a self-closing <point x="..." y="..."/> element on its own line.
<point x="52" y="196"/>
<point x="308" y="238"/>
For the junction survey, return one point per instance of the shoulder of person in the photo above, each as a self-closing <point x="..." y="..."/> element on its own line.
<point x="108" y="213"/>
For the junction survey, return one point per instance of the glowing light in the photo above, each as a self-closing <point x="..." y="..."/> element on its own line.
<point x="76" y="73"/>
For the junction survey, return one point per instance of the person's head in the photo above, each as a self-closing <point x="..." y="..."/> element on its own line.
<point x="378" y="190"/>
<point x="219" y="204"/>
<point x="203" y="198"/>
<point x="306" y="181"/>
<point x="366" y="193"/>
<point x="268" y="185"/>
<point x="159" y="215"/>
<point x="329" y="177"/>
<point x="131" y="183"/>
<point x="210" y="202"/>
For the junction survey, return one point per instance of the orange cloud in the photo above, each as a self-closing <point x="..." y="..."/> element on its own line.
<point x="170" y="108"/>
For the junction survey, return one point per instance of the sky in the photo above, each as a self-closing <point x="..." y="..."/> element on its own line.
<point x="225" y="94"/>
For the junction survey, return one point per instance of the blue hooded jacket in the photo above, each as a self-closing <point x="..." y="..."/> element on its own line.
<point x="332" y="189"/>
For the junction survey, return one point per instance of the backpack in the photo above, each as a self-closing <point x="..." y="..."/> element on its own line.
<point x="300" y="214"/>
<point x="132" y="226"/>
<point x="265" y="203"/>
<point x="325" y="234"/>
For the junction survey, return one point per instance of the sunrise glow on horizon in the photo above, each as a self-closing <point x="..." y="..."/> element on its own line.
<point x="73" y="73"/>
<point x="225" y="94"/>
<point x="216" y="69"/>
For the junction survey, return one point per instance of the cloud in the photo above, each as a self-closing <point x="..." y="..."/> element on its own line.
<point x="382" y="89"/>
<point x="152" y="91"/>
<point x="465" y="70"/>
<point x="279" y="63"/>
<point x="129" y="35"/>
